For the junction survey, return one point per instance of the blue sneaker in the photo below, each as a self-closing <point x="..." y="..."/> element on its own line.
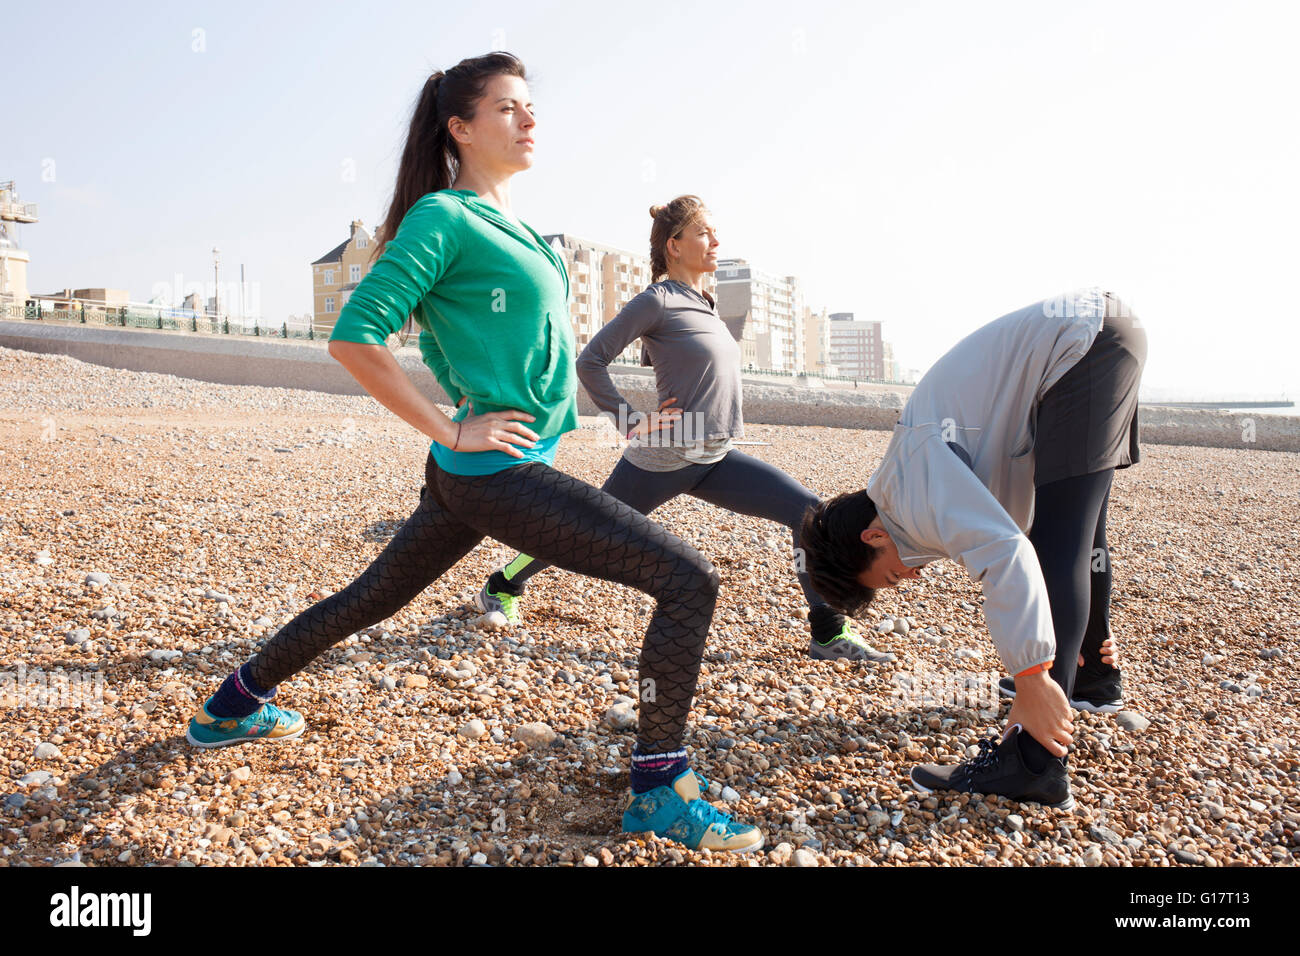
<point x="680" y="813"/>
<point x="270" y="723"/>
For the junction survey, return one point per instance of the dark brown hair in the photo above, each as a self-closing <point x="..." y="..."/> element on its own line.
<point x="670" y="220"/>
<point x="430" y="159"/>
<point x="834" y="553"/>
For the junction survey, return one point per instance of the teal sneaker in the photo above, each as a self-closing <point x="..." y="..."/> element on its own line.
<point x="272" y="724"/>
<point x="680" y="813"/>
<point x="847" y="645"/>
<point x="508" y="604"/>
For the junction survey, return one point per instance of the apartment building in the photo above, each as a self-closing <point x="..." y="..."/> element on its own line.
<point x="602" y="279"/>
<point x="335" y="274"/>
<point x="765" y="313"/>
<point x="817" y="343"/>
<point x="856" y="347"/>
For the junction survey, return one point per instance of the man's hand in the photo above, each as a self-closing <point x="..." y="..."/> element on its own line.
<point x="1041" y="709"/>
<point x="1109" y="654"/>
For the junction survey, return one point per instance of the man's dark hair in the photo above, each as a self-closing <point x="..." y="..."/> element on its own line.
<point x="834" y="552"/>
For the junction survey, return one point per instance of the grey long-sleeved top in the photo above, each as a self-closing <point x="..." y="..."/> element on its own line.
<point x="694" y="356"/>
<point x="957" y="480"/>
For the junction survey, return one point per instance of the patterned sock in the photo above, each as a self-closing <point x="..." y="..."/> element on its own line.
<point x="825" y="622"/>
<point x="238" y="696"/>
<point x="657" y="770"/>
<point x="500" y="584"/>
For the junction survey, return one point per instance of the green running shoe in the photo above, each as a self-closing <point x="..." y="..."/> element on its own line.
<point x="680" y="813"/>
<point x="489" y="601"/>
<point x="847" y="645"/>
<point x="270" y="723"/>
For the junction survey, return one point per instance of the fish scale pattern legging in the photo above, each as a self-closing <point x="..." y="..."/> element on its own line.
<point x="559" y="519"/>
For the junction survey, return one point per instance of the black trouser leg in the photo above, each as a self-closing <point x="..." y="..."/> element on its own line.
<point x="423" y="549"/>
<point x="1066" y="515"/>
<point x="640" y="490"/>
<point x="566" y="522"/>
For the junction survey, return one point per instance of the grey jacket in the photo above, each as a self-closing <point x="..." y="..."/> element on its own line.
<point x="694" y="356"/>
<point x="957" y="480"/>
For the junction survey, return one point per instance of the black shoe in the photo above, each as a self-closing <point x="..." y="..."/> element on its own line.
<point x="1097" y="693"/>
<point x="1000" y="768"/>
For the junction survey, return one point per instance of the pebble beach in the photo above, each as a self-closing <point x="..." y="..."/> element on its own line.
<point x="154" y="531"/>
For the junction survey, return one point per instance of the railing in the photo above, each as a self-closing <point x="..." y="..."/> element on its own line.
<point x="16" y="210"/>
<point x="785" y="373"/>
<point x="157" y="317"/>
<point x="174" y="320"/>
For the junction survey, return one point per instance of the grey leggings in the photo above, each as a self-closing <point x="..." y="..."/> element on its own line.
<point x="738" y="483"/>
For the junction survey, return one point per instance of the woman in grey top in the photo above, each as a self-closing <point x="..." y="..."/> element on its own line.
<point x="685" y="446"/>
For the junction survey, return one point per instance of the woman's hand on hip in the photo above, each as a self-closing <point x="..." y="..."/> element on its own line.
<point x="496" y="431"/>
<point x="665" y="417"/>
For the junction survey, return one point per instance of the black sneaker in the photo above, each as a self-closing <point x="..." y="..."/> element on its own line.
<point x="1097" y="693"/>
<point x="999" y="768"/>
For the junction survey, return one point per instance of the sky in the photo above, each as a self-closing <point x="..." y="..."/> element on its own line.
<point x="932" y="165"/>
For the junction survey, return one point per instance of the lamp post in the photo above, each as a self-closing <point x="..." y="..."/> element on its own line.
<point x="216" y="281"/>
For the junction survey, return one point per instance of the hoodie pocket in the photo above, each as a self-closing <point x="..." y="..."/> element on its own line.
<point x="549" y="385"/>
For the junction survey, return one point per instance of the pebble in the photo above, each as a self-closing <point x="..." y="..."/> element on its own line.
<point x="165" y="656"/>
<point x="534" y="735"/>
<point x="43" y="558"/>
<point x="218" y="596"/>
<point x="1104" y="835"/>
<point x="47" y="751"/>
<point x="97" y="577"/>
<point x="900" y="626"/>
<point x="1186" y="856"/>
<point x="622" y="716"/>
<point x="802" y="857"/>
<point x="780" y="854"/>
<point x="730" y="796"/>
<point x="1132" y="721"/>
<point x="473" y="730"/>
<point x="35" y="778"/>
<point x="77" y="635"/>
<point x="1015" y="821"/>
<point x="1092" y="856"/>
<point x="492" y="621"/>
<point x="1153" y="788"/>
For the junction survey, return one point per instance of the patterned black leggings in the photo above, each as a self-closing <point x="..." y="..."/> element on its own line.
<point x="559" y="519"/>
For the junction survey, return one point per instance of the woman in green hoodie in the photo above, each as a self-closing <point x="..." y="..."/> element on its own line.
<point x="491" y="300"/>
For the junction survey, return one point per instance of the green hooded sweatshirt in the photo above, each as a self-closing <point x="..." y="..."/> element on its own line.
<point x="491" y="299"/>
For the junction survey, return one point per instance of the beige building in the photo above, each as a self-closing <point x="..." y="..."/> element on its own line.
<point x="603" y="279"/>
<point x="335" y="274"/>
<point x="857" y="348"/>
<point x="765" y="313"/>
<point x="817" y="343"/>
<point x="14" y="260"/>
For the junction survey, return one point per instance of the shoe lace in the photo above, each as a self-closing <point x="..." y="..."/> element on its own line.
<point x="717" y="820"/>
<point x="506" y="600"/>
<point x="987" y="756"/>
